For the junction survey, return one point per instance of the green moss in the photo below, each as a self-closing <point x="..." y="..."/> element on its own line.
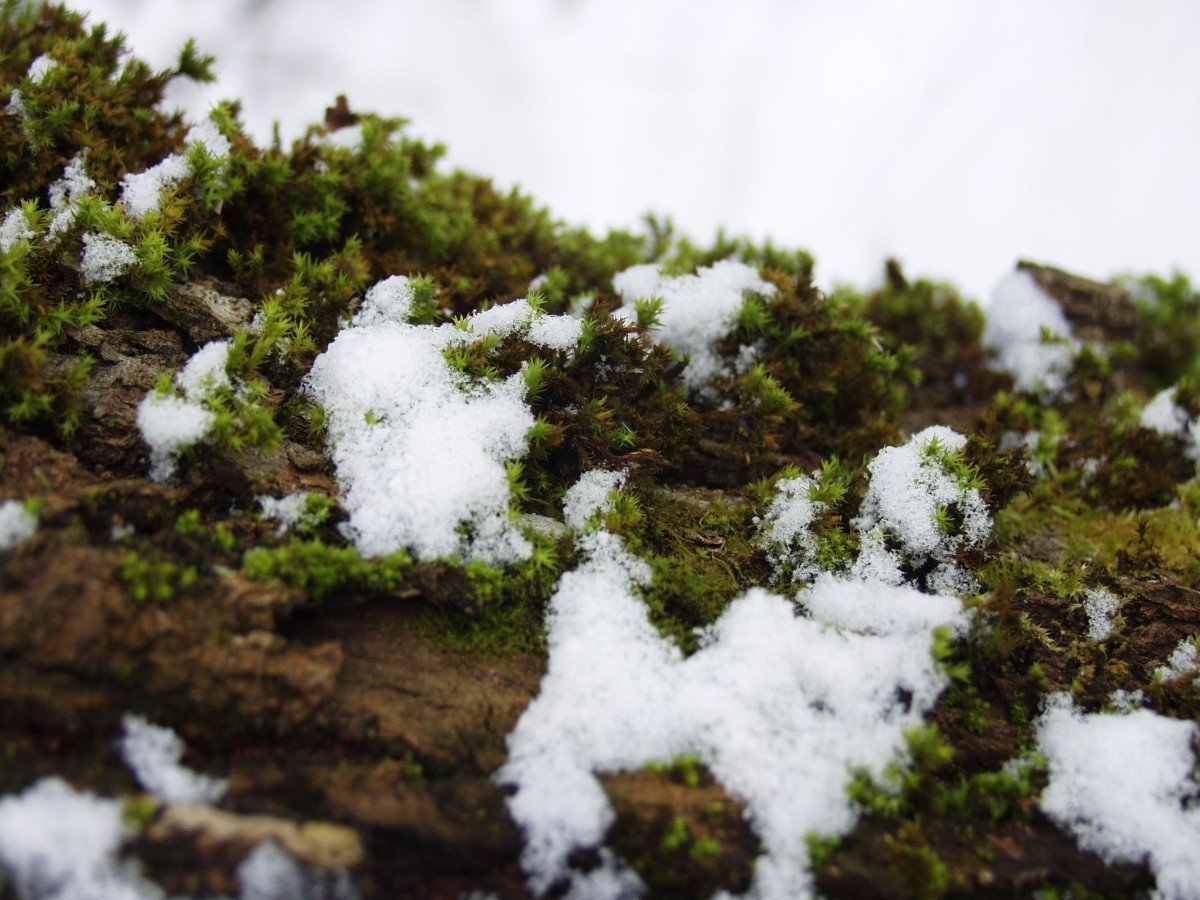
<point x="323" y="571"/>
<point x="152" y="580"/>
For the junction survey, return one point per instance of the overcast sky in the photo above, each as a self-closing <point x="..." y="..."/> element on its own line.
<point x="958" y="136"/>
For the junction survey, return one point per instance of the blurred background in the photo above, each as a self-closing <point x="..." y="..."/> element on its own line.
<point x="956" y="136"/>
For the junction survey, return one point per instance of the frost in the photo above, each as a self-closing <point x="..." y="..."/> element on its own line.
<point x="779" y="707"/>
<point x="141" y="192"/>
<point x="1122" y="785"/>
<point x="169" y="423"/>
<point x="153" y="754"/>
<point x="57" y="843"/>
<point x="591" y="494"/>
<point x="17" y="524"/>
<point x="1030" y="335"/>
<point x="1183" y="662"/>
<point x="105" y="257"/>
<point x="911" y="492"/>
<point x="1100" y="607"/>
<point x="15" y="228"/>
<point x="698" y="310"/>
<point x="65" y="195"/>
<point x="420" y="451"/>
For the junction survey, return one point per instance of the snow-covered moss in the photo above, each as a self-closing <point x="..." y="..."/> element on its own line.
<point x="1124" y="786"/>
<point x="1030" y="335"/>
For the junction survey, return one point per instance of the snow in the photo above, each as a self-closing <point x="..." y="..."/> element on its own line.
<point x="560" y="333"/>
<point x="105" y="258"/>
<point x="1183" y="662"/>
<point x="153" y="754"/>
<point x="15" y="228"/>
<point x="287" y="511"/>
<point x="141" y="192"/>
<point x="270" y="873"/>
<point x="65" y="194"/>
<point x="591" y="494"/>
<point x="1164" y="415"/>
<point x="779" y="707"/>
<point x="57" y="843"/>
<point x="785" y="528"/>
<point x="17" y="524"/>
<point x="39" y="67"/>
<point x="1019" y="317"/>
<point x="169" y="423"/>
<point x="1100" y="607"/>
<point x="389" y="300"/>
<point x="698" y="310"/>
<point x="908" y="487"/>
<point x="420" y="453"/>
<point x="1121" y="783"/>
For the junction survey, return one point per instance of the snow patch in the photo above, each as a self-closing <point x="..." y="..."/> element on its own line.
<point x="169" y="423"/>
<point x="420" y="452"/>
<point x="141" y="192"/>
<point x="105" y="258"/>
<point x="779" y="707"/>
<point x="153" y="754"/>
<point x="698" y="310"/>
<point x="1030" y="335"/>
<point x="785" y="528"/>
<point x="1123" y="785"/>
<point x="17" y="524"/>
<point x="65" y="194"/>
<point x="1183" y="662"/>
<point x="14" y="229"/>
<point x="270" y="873"/>
<point x="591" y="494"/>
<point x="1100" y="607"/>
<point x="57" y="843"/>
<point x="39" y="67"/>
<point x="288" y="511"/>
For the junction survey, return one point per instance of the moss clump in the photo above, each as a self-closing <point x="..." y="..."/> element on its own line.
<point x="325" y="572"/>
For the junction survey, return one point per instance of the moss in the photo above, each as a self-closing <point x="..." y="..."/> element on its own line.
<point x="151" y="580"/>
<point x="325" y="572"/>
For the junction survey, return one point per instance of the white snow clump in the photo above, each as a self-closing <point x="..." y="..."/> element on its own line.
<point x="288" y="511"/>
<point x="591" y="494"/>
<point x="1164" y="415"/>
<point x="1030" y="335"/>
<point x="1100" y="607"/>
<point x="39" y="67"/>
<point x="271" y="873"/>
<point x="910" y="487"/>
<point x="785" y="530"/>
<point x="153" y="754"/>
<point x="169" y="423"/>
<point x="57" y="843"/>
<point x="779" y="707"/>
<point x="698" y="310"/>
<point x="420" y="450"/>
<point x="105" y="257"/>
<point x="141" y="192"/>
<point x="1183" y="661"/>
<point x="1120" y="783"/>
<point x="65" y="195"/>
<point x="14" y="229"/>
<point x="17" y="524"/>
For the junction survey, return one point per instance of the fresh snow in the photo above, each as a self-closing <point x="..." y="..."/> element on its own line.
<point x="1123" y="784"/>
<point x="65" y="194"/>
<point x="779" y="707"/>
<point x="420" y="452"/>
<point x="153" y="754"/>
<point x="15" y="228"/>
<point x="1164" y="415"/>
<point x="1100" y="607"/>
<point x="271" y="873"/>
<point x="287" y="511"/>
<point x="57" y="843"/>
<point x="1030" y="335"/>
<point x="105" y="258"/>
<point x="17" y="524"/>
<point x="170" y="423"/>
<point x="591" y="494"/>
<point x="1183" y="662"/>
<point x="698" y="310"/>
<point x="141" y="192"/>
<point x="909" y="485"/>
<point x="785" y="528"/>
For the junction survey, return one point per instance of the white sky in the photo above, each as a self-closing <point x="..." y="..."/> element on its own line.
<point x="956" y="135"/>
